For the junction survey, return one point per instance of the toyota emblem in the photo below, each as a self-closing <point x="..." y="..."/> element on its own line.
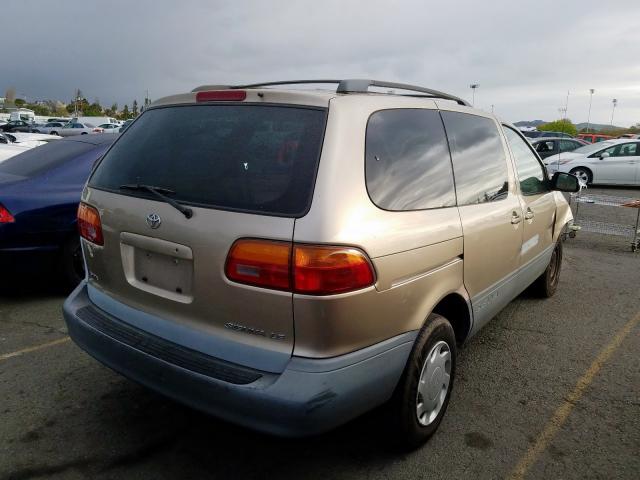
<point x="154" y="220"/>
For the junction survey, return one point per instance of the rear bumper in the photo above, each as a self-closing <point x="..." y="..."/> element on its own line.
<point x="310" y="396"/>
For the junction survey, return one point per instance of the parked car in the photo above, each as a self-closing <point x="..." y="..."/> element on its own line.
<point x="547" y="146"/>
<point x="9" y="148"/>
<point x="301" y="257"/>
<point x="39" y="195"/>
<point x="630" y="135"/>
<point x="593" y="137"/>
<point x="16" y="126"/>
<point x="110" y="127"/>
<point x="52" y="128"/>
<point x="76" y="128"/>
<point x="21" y="137"/>
<point x="612" y="162"/>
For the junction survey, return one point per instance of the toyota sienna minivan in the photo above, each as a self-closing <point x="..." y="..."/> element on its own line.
<point x="289" y="259"/>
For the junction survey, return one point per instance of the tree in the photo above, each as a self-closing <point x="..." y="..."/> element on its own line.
<point x="42" y="110"/>
<point x="562" y="125"/>
<point x="125" y="112"/>
<point x="134" y="109"/>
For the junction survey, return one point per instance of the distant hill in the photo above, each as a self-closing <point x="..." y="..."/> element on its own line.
<point x="597" y="126"/>
<point x="529" y="123"/>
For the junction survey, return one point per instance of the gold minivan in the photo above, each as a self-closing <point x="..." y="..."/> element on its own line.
<point x="288" y="259"/>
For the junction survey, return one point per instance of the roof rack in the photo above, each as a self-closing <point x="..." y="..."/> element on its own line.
<point x="346" y="86"/>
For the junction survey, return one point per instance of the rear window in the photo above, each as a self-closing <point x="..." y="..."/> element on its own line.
<point x="43" y="158"/>
<point x="253" y="158"/>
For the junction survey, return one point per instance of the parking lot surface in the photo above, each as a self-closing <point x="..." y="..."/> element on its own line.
<point x="549" y="389"/>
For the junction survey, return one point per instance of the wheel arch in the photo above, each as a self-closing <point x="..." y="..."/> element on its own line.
<point x="456" y="308"/>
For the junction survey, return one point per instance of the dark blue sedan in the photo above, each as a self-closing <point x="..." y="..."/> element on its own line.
<point x="39" y="194"/>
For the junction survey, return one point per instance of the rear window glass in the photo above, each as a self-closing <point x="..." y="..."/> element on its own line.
<point x="254" y="158"/>
<point x="45" y="157"/>
<point x="408" y="166"/>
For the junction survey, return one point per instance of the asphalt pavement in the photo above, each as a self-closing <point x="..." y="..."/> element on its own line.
<point x="549" y="389"/>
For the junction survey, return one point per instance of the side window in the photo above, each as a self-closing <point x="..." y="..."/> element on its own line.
<point x="407" y="162"/>
<point x="479" y="161"/>
<point x="530" y="171"/>
<point x="568" y="145"/>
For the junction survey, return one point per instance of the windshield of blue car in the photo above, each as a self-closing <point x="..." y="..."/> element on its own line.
<point x="593" y="147"/>
<point x="45" y="157"/>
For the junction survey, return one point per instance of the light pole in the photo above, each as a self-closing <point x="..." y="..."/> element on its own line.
<point x="473" y="87"/>
<point x="591" y="91"/>
<point x="613" y="110"/>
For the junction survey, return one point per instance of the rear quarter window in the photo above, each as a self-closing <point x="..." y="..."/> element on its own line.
<point x="479" y="159"/>
<point x="253" y="158"/>
<point x="407" y="162"/>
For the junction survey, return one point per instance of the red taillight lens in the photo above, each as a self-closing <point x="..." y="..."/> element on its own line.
<point x="89" y="224"/>
<point x="5" y="215"/>
<point x="221" y="95"/>
<point x="260" y="262"/>
<point x="314" y="269"/>
<point x="321" y="270"/>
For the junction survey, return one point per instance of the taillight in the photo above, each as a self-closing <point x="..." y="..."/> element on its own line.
<point x="89" y="224"/>
<point x="5" y="215"/>
<point x="260" y="262"/>
<point x="300" y="268"/>
<point x="221" y="95"/>
<point x="321" y="270"/>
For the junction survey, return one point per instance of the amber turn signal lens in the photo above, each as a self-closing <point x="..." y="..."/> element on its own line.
<point x="262" y="263"/>
<point x="89" y="224"/>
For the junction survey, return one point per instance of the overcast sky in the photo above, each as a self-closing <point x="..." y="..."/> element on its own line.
<point x="524" y="55"/>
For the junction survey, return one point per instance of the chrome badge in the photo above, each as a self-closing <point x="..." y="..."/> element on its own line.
<point x="154" y="220"/>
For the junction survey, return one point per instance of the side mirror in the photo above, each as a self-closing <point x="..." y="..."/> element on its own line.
<point x="565" y="182"/>
<point x="604" y="155"/>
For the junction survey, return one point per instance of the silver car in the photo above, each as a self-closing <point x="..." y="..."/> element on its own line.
<point x="301" y="256"/>
<point x="75" y="128"/>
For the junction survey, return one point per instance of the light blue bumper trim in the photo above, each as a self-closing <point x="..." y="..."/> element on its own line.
<point x="308" y="397"/>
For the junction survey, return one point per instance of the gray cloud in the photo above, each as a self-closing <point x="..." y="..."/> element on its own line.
<point x="525" y="56"/>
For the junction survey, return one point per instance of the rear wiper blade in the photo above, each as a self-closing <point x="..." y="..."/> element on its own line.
<point x="160" y="193"/>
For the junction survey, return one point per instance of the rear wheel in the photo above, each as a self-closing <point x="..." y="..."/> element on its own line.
<point x="72" y="263"/>
<point x="53" y="133"/>
<point x="422" y="395"/>
<point x="547" y="283"/>
<point x="583" y="174"/>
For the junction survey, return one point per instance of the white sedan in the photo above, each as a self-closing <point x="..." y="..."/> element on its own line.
<point x="612" y="162"/>
<point x="77" y="128"/>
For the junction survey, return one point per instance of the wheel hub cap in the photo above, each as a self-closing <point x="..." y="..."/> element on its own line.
<point x="433" y="385"/>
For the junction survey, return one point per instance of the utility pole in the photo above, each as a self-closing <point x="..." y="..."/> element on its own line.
<point x="591" y="91"/>
<point x="473" y="87"/>
<point x="613" y="110"/>
<point x="492" y="105"/>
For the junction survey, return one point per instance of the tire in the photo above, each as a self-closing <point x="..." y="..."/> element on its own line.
<point x="436" y="341"/>
<point x="53" y="133"/>
<point x="72" y="264"/>
<point x="546" y="284"/>
<point x="84" y="133"/>
<point x="583" y="174"/>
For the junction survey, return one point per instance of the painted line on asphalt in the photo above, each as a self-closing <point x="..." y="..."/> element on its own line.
<point x="17" y="353"/>
<point x="564" y="410"/>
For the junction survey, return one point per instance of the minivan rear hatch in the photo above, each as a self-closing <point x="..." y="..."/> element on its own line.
<point x="245" y="171"/>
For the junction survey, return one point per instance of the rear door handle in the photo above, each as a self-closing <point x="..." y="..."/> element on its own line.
<point x="515" y="218"/>
<point x="529" y="215"/>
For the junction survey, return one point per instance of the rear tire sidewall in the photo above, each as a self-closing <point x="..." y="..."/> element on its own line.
<point x="407" y="431"/>
<point x="71" y="261"/>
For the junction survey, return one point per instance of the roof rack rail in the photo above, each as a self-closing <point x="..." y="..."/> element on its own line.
<point x="346" y="86"/>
